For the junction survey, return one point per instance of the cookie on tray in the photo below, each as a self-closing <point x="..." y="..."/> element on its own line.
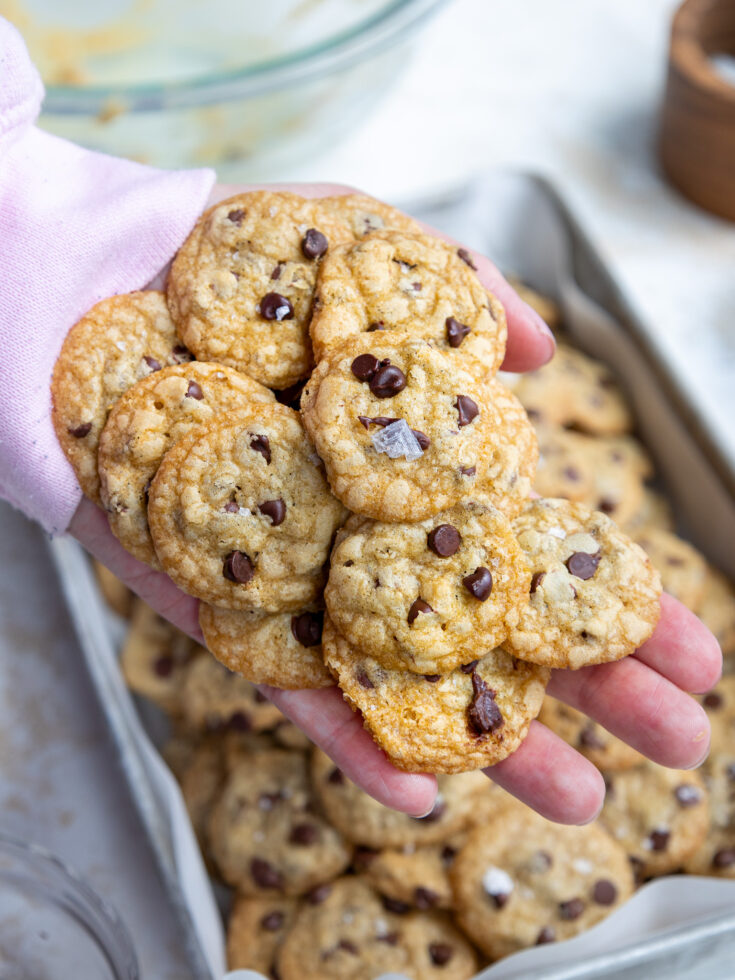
<point x="280" y="649"/>
<point x="683" y="569"/>
<point x="241" y="287"/>
<point x="352" y="934"/>
<point x="120" y="341"/>
<point x="115" y="593"/>
<point x="575" y="391"/>
<point x="145" y="423"/>
<point x="588" y="737"/>
<point x="654" y="510"/>
<point x="402" y="428"/>
<point x="473" y="717"/>
<point x="240" y="512"/>
<point x="595" y="596"/>
<point x="660" y="816"/>
<point x="256" y="928"/>
<point x="521" y="881"/>
<point x="213" y="698"/>
<point x="429" y="596"/>
<point x="413" y="877"/>
<point x="716" y="609"/>
<point x="416" y="284"/>
<point x="364" y="821"/>
<point x="265" y="833"/>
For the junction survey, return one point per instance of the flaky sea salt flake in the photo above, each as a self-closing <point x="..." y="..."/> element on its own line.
<point x="397" y="440"/>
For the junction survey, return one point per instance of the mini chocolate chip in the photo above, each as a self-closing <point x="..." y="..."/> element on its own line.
<point x="231" y="507"/>
<point x="276" y="274"/>
<point x="80" y="431"/>
<point x="467" y="410"/>
<point x="479" y="583"/>
<point x="712" y="700"/>
<point x="499" y="899"/>
<point x="181" y="354"/>
<point x="237" y="567"/>
<point x="348" y="946"/>
<point x="152" y="363"/>
<point x="547" y="935"/>
<point x="239" y="722"/>
<point x="444" y="540"/>
<point x="440" y="953"/>
<point x="381" y="420"/>
<point x="537" y="579"/>
<point x="163" y="665"/>
<point x="194" y="391"/>
<point x="466" y="257"/>
<point x="273" y="306"/>
<point x="307" y="628"/>
<point x="304" y="834"/>
<point x="456" y="331"/>
<point x="417" y="606"/>
<point x="364" y="420"/>
<point x="448" y="854"/>
<point x="424" y="898"/>
<point x="380" y="325"/>
<point x="724" y="858"/>
<point x="275" y="509"/>
<point x="483" y="714"/>
<point x="388" y="937"/>
<point x="265" y="875"/>
<point x="468" y="470"/>
<point x="606" y="505"/>
<point x="273" y="921"/>
<point x="436" y="814"/>
<point x="687" y="795"/>
<point x="261" y="444"/>
<point x="317" y="895"/>
<point x="314" y="244"/>
<point x="336" y="777"/>
<point x="572" y="474"/>
<point x="394" y="905"/>
<point x="387" y="381"/>
<point x="469" y="668"/>
<point x="588" y="737"/>
<point x="432" y="678"/>
<point x="582" y="565"/>
<point x="422" y="439"/>
<point x="364" y="681"/>
<point x="365" y="366"/>
<point x="236" y="216"/>
<point x="604" y="892"/>
<point x="659" y="840"/>
<point x="571" y="909"/>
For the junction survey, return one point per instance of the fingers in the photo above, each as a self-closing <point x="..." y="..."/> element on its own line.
<point x="682" y="649"/>
<point x="640" y="706"/>
<point x="330" y="722"/>
<point x="551" y="777"/>
<point x="90" y="527"/>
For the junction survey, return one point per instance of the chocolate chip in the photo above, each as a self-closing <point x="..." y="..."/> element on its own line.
<point x="547" y="935"/>
<point x="468" y="470"/>
<point x="388" y="937"/>
<point x="181" y="354"/>
<point x="375" y="326"/>
<point x="363" y="857"/>
<point x="713" y="700"/>
<point x="448" y="854"/>
<point x="381" y="420"/>
<point x="571" y="909"/>
<point x="424" y="898"/>
<point x="163" y="666"/>
<point x="273" y="921"/>
<point x="364" y="681"/>
<point x="499" y="899"/>
<point x="336" y="777"/>
<point x="432" y="678"/>
<point x="541" y="861"/>
<point x="606" y="505"/>
<point x="194" y="391"/>
<point x="231" y="507"/>
<point x="266" y="801"/>
<point x="152" y="363"/>
<point x="572" y="474"/>
<point x="80" y="431"/>
<point x="348" y="946"/>
<point x="364" y="367"/>
<point x="469" y="668"/>
<point x="456" y="331"/>
<point x="589" y="739"/>
<point x="239" y="722"/>
<point x="582" y="565"/>
<point x="479" y="583"/>
<point x="276" y="274"/>
<point x="314" y="244"/>
<point x="273" y="306"/>
<point x="467" y="410"/>
<point x="422" y="439"/>
<point x="303" y="834"/>
<point x="604" y="892"/>
<point x="259" y="697"/>
<point x="265" y="875"/>
<point x="483" y="714"/>
<point x="387" y="381"/>
<point x="275" y="509"/>
<point x="394" y="905"/>
<point x="536" y="580"/>
<point x="444" y="540"/>
<point x="317" y="895"/>
<point x="364" y="420"/>
<point x="236" y="216"/>
<point x="724" y="858"/>
<point x="466" y="257"/>
<point x="307" y="628"/>
<point x="659" y="840"/>
<point x="237" y="567"/>
<point x="261" y="444"/>
<point x="440" y="953"/>
<point x="417" y="606"/>
<point x="440" y="808"/>
<point x="687" y="795"/>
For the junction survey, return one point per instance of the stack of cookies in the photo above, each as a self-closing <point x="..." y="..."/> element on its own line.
<point x="399" y="496"/>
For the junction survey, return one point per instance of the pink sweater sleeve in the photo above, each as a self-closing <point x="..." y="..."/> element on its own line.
<point x="75" y="227"/>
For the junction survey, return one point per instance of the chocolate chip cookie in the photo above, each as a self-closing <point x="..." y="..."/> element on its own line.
<point x="472" y="717"/>
<point x="240" y="512"/>
<point x="145" y="423"/>
<point x="588" y="737"/>
<point x="416" y="284"/>
<point x="121" y="340"/>
<point x="429" y="596"/>
<point x="256" y="929"/>
<point x="280" y="649"/>
<point x="399" y="425"/>
<point x="213" y="698"/>
<point x="594" y="594"/>
<point x="683" y="569"/>
<point x="521" y="881"/>
<point x="413" y="877"/>
<point x="716" y="609"/>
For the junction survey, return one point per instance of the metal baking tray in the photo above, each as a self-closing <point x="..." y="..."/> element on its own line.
<point x="522" y="222"/>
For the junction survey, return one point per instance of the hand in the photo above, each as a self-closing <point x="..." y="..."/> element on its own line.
<point x="640" y="699"/>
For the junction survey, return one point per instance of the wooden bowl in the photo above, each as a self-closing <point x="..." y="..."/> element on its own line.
<point x="697" y="139"/>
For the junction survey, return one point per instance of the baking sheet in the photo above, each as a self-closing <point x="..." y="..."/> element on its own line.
<point x="523" y="225"/>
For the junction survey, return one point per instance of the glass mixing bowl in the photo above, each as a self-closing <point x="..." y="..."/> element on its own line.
<point x="236" y="84"/>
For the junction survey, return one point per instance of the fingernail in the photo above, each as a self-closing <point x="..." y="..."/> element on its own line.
<point x="705" y="734"/>
<point x="542" y="327"/>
